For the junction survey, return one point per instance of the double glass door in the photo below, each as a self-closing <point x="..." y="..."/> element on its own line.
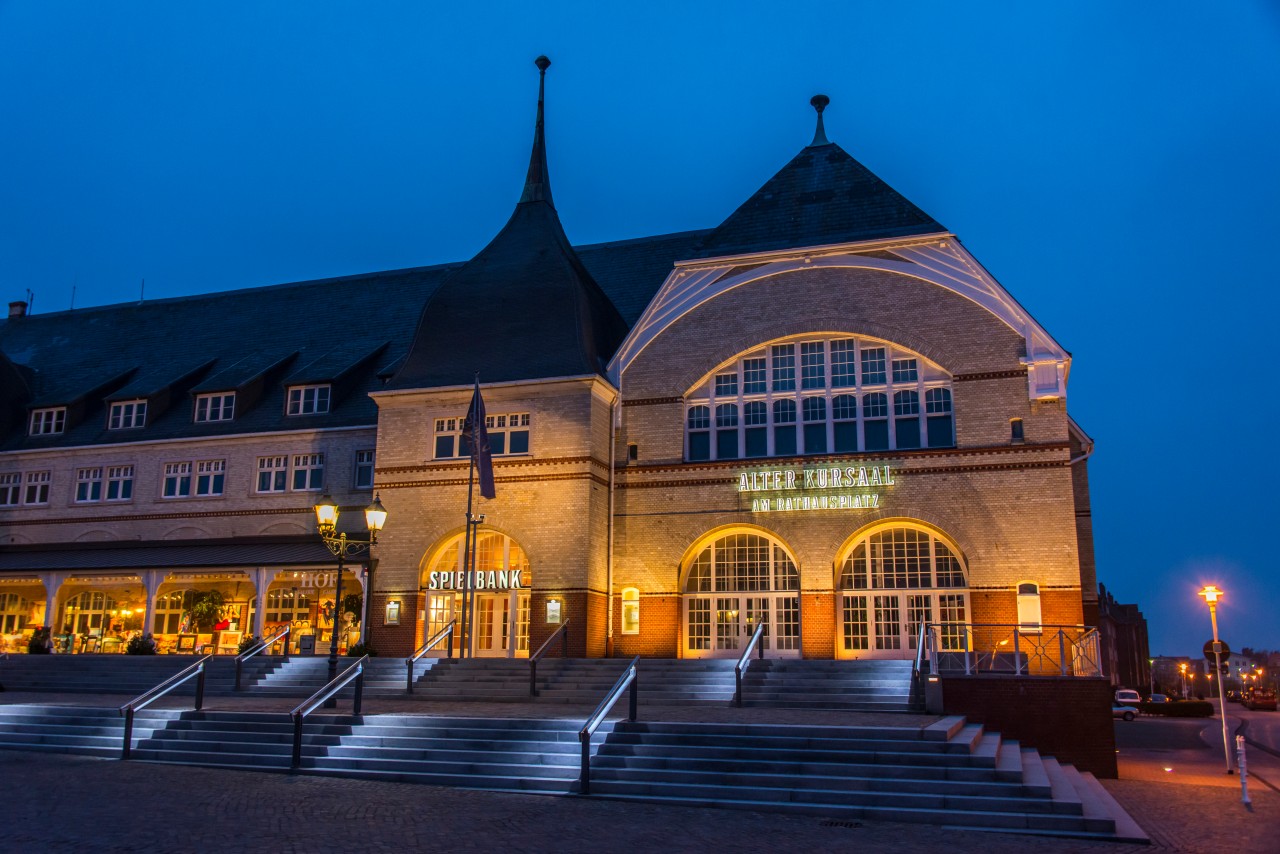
<point x="886" y="624"/>
<point x="501" y="621"/>
<point x="722" y="625"/>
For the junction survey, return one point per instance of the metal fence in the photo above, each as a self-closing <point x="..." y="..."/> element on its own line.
<point x="1018" y="650"/>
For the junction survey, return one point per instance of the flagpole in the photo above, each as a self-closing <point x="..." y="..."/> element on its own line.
<point x="465" y="639"/>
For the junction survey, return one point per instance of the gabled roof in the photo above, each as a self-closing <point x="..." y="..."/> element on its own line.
<point x="822" y="197"/>
<point x="524" y="308"/>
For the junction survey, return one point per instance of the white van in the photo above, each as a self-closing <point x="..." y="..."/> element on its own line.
<point x="1127" y="695"/>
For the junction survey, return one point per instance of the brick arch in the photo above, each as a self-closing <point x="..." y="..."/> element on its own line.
<point x="95" y="536"/>
<point x="446" y="540"/>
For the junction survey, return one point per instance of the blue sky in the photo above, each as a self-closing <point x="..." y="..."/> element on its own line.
<point x="1113" y="164"/>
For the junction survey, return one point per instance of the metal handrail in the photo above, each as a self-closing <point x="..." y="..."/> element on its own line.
<point x="563" y="632"/>
<point x="309" y="705"/>
<point x="628" y="678"/>
<point x="447" y="631"/>
<point x="745" y="661"/>
<point x="261" y="647"/>
<point x="918" y="664"/>
<point x="151" y="695"/>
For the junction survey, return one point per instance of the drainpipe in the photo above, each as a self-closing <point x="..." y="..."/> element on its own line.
<point x="613" y="453"/>
<point x="1088" y="452"/>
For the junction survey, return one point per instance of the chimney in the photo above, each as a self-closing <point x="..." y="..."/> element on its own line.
<point x="18" y="309"/>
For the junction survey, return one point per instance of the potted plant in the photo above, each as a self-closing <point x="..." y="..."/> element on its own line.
<point x="204" y="609"/>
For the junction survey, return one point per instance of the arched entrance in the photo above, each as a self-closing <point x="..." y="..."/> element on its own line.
<point x="501" y="584"/>
<point x="890" y="581"/>
<point x="733" y="583"/>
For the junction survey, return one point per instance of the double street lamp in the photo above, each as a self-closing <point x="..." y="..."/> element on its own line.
<point x="343" y="547"/>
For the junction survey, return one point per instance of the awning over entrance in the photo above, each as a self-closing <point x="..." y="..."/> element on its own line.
<point x="167" y="554"/>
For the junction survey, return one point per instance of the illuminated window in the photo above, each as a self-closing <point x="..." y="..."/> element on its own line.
<point x="216" y="407"/>
<point x="48" y="422"/>
<point x="851" y="396"/>
<point x="735" y="583"/>
<point x="308" y="400"/>
<point x="630" y="611"/>
<point x="508" y="436"/>
<point x="1029" y="606"/>
<point x="287" y="605"/>
<point x="15" y="612"/>
<point x="127" y="415"/>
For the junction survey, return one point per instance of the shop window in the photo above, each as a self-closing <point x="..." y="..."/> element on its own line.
<point x="1029" y="606"/>
<point x="15" y="613"/>
<point x="630" y="611"/>
<point x="814" y="410"/>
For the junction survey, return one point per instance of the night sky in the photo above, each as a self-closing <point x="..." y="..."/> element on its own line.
<point x="1117" y="169"/>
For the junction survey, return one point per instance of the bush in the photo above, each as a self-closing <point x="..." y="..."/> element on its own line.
<point x="1179" y="709"/>
<point x="140" y="645"/>
<point x="247" y="644"/>
<point x="359" y="650"/>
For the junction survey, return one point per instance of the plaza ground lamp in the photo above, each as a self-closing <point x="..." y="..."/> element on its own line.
<point x="343" y="547"/>
<point x="1211" y="596"/>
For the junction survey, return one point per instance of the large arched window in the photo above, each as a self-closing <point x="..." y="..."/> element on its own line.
<point x="816" y="395"/>
<point x="501" y="583"/>
<point x="733" y="584"/>
<point x="892" y="581"/>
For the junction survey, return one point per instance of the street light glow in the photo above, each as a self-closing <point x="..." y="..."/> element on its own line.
<point x="1211" y="594"/>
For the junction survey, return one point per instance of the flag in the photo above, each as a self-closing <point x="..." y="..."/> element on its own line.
<point x="476" y="438"/>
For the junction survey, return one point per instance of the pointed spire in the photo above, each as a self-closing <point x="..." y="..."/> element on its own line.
<point x="819" y="103"/>
<point x="537" y="185"/>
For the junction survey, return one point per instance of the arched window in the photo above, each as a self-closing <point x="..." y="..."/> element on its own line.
<point x="501" y="583"/>
<point x="891" y="582"/>
<point x="761" y="399"/>
<point x="733" y="584"/>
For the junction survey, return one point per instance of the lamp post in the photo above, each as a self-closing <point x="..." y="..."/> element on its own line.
<point x="375" y="516"/>
<point x="1151" y="672"/>
<point x="1211" y="595"/>
<point x="1183" y="669"/>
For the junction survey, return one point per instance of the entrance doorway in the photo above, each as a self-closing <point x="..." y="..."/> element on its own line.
<point x="501" y="590"/>
<point x="736" y="583"/>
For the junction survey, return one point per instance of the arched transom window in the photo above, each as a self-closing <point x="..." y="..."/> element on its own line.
<point x="735" y="583"/>
<point x="894" y="580"/>
<point x="815" y="395"/>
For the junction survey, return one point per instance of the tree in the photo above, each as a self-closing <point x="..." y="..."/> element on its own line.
<point x="204" y="608"/>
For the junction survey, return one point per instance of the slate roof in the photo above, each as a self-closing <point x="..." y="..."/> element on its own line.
<point x="524" y="308"/>
<point x="822" y="197"/>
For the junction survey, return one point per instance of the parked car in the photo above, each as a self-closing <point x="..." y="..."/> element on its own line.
<point x="1235" y="697"/>
<point x="1127" y="695"/>
<point x="1127" y="713"/>
<point x="1260" y="698"/>
<point x="1158" y="698"/>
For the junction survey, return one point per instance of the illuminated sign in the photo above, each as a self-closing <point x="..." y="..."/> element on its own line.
<point x="816" y="488"/>
<point x="492" y="580"/>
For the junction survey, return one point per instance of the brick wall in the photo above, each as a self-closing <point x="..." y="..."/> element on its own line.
<point x="659" y="629"/>
<point x="818" y="625"/>
<point x="1066" y="718"/>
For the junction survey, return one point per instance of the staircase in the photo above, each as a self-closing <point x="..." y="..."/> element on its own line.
<point x="864" y="686"/>
<point x="256" y="741"/>
<point x="73" y="729"/>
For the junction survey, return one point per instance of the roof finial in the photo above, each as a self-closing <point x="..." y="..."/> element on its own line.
<point x="819" y="103"/>
<point x="537" y="185"/>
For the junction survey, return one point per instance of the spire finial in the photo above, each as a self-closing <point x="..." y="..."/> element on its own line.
<point x="537" y="184"/>
<point x="819" y="103"/>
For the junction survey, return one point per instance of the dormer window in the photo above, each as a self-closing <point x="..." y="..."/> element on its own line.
<point x="308" y="399"/>
<point x="215" y="407"/>
<point x="48" y="422"/>
<point x="127" y="415"/>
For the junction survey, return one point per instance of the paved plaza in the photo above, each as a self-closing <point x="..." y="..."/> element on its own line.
<point x="60" y="803"/>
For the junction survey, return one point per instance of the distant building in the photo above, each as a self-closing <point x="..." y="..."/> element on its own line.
<point x="1168" y="675"/>
<point x="1125" y="652"/>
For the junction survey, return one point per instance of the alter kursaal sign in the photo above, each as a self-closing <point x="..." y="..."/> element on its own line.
<point x="816" y="488"/>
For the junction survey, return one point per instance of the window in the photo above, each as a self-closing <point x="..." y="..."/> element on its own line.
<point x="842" y="403"/>
<point x="364" y="470"/>
<point x="127" y="414"/>
<point x="15" y="611"/>
<point x="210" y="475"/>
<point x="284" y="606"/>
<point x="119" y="483"/>
<point x="216" y="407"/>
<point x="273" y="474"/>
<point x="10" y="488"/>
<point x="177" y="480"/>
<point x="1029" y="606"/>
<point x="308" y="399"/>
<point x="37" y="487"/>
<point x="734" y="584"/>
<point x="48" y="422"/>
<point x="308" y="472"/>
<point x="88" y="485"/>
<point x="1016" y="435"/>
<point x="630" y="611"/>
<point x="508" y="436"/>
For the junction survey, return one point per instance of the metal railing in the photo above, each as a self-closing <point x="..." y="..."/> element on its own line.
<point x="745" y="661"/>
<point x="563" y="633"/>
<point x="262" y="646"/>
<point x="1014" y="649"/>
<point x="147" y="698"/>
<point x="446" y="632"/>
<point x="918" y="664"/>
<point x="628" y="678"/>
<point x="309" y="705"/>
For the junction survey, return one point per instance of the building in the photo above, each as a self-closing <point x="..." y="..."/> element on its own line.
<point x="1125" y="652"/>
<point x="823" y="415"/>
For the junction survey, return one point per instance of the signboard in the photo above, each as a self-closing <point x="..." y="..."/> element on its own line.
<point x="1224" y="650"/>
<point x="831" y="487"/>
<point x="479" y="580"/>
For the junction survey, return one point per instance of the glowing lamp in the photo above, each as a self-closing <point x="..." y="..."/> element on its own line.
<point x="375" y="515"/>
<point x="1211" y="594"/>
<point x="327" y="513"/>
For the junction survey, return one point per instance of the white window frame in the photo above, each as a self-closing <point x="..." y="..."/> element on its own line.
<point x="1030" y="616"/>
<point x="504" y="424"/>
<point x="119" y="484"/>
<point x="308" y="399"/>
<point x="10" y="489"/>
<point x="211" y="478"/>
<point x="89" y="485"/>
<point x="630" y="611"/>
<point x="364" y="463"/>
<point x="50" y="421"/>
<point x="219" y="406"/>
<point x="36" y="487"/>
<point x="306" y="473"/>
<point x="928" y="377"/>
<point x="127" y="415"/>
<point x="276" y="467"/>
<point x="179" y="474"/>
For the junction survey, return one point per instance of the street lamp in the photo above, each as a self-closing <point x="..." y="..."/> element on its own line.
<point x="375" y="516"/>
<point x="1211" y="595"/>
<point x="1183" y="668"/>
